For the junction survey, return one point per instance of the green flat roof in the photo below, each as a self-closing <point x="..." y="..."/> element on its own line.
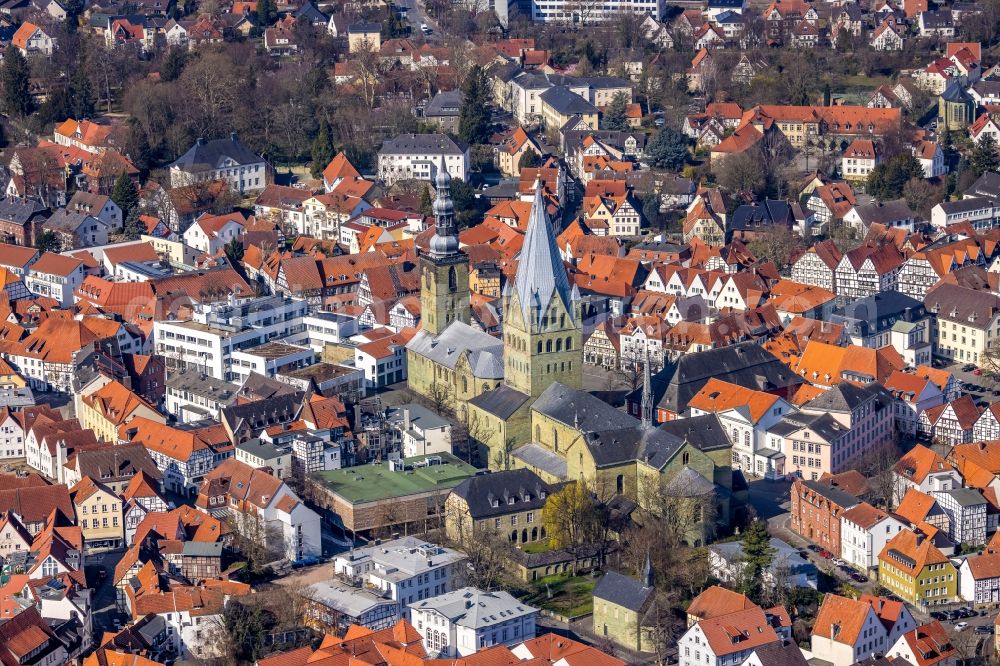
<point x="370" y="483"/>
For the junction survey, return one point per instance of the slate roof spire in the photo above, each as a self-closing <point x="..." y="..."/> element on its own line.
<point x="444" y="242"/>
<point x="647" y="572"/>
<point x="647" y="393"/>
<point x="541" y="274"/>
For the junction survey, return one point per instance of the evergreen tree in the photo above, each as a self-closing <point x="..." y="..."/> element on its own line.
<point x="322" y="148"/>
<point x="81" y="94"/>
<point x="474" y="116"/>
<point x="529" y="160"/>
<point x="614" y="115"/>
<point x="234" y="250"/>
<point x="47" y="241"/>
<point x="886" y="181"/>
<point x="757" y="557"/>
<point x="137" y="147"/>
<point x="173" y="64"/>
<point x="984" y="156"/>
<point x="267" y="11"/>
<point x="15" y="78"/>
<point x="669" y="150"/>
<point x="126" y="196"/>
<point x="426" y="205"/>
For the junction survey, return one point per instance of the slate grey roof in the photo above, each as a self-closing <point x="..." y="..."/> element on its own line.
<point x="364" y="27"/>
<point x="971" y="307"/>
<point x="936" y="19"/>
<point x="527" y="489"/>
<point x="200" y="384"/>
<point x="446" y="103"/>
<point x="263" y="413"/>
<point x="485" y="351"/>
<point x="835" y="495"/>
<point x="567" y="102"/>
<point x="687" y="483"/>
<point x="704" y="432"/>
<point x="201" y="549"/>
<point x="110" y="464"/>
<point x="745" y="364"/>
<point x="309" y="12"/>
<point x="502" y="401"/>
<point x="210" y="155"/>
<point x="20" y="211"/>
<point x="612" y="436"/>
<point x="430" y="144"/>
<point x="541" y="274"/>
<point x="537" y="456"/>
<point x="965" y="496"/>
<point x="878" y="313"/>
<point x="844" y="397"/>
<point x="469" y="607"/>
<point x="787" y="653"/>
<point x="955" y="92"/>
<point x="623" y="591"/>
<point x="824" y="425"/>
<point x="581" y="410"/>
<point x="987" y="185"/>
<point x="67" y="222"/>
<point x="420" y="416"/>
<point x="752" y="217"/>
<point x="965" y="205"/>
<point x="886" y="212"/>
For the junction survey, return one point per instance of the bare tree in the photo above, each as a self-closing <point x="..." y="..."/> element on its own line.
<point x="571" y="519"/>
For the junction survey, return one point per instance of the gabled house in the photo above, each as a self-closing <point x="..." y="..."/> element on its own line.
<point x="260" y="503"/>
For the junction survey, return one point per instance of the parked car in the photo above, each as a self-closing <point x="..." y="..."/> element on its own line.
<point x="814" y="548"/>
<point x="984" y="629"/>
<point x="825" y="553"/>
<point x="961" y="626"/>
<point x="938" y="615"/>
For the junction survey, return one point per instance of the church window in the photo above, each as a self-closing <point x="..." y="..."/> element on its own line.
<point x="539" y="346"/>
<point x="548" y="345"/>
<point x="684" y="458"/>
<point x="555" y="439"/>
<point x="569" y="344"/>
<point x="465" y="384"/>
<point x="562" y="321"/>
<point x="538" y="433"/>
<point x="452" y="279"/>
<point x="559" y="345"/>
<point x="620" y="484"/>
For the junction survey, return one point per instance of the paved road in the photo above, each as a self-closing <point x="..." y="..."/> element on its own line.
<point x="416" y="14"/>
<point x="105" y="598"/>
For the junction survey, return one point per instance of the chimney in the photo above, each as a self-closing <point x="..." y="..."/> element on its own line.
<point x="406" y="419"/>
<point x="834" y="631"/>
<point x="201" y="141"/>
<point x="920" y="537"/>
<point x="232" y="137"/>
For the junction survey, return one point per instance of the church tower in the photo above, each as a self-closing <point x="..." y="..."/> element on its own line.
<point x="444" y="271"/>
<point x="542" y="336"/>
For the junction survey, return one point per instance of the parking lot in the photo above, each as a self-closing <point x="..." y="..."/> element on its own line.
<point x="983" y="387"/>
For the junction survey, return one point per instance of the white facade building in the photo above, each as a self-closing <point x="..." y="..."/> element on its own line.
<point x="462" y="622"/>
<point x="409" y="570"/>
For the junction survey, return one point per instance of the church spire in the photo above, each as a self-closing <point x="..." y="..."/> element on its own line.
<point x="647" y="393"/>
<point x="541" y="274"/>
<point x="647" y="572"/>
<point x="444" y="242"/>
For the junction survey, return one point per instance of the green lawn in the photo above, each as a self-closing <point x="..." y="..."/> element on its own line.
<point x="536" y="547"/>
<point x="571" y="595"/>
